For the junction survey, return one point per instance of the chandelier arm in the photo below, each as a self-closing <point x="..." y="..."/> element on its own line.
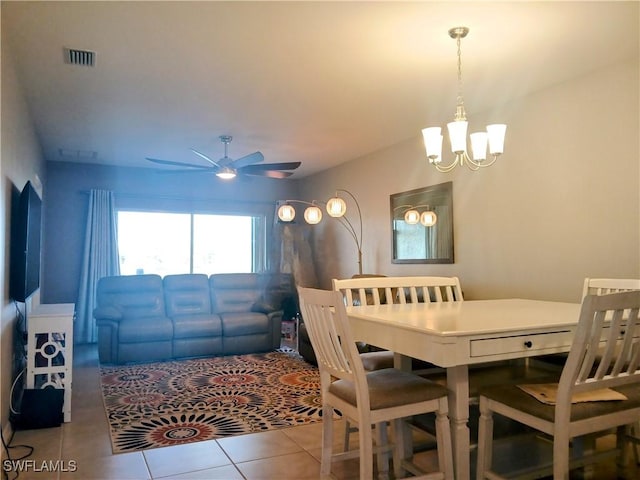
<point x="481" y="165"/>
<point x="447" y="168"/>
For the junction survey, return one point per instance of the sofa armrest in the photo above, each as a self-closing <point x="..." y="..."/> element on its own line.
<point x="275" y="318"/>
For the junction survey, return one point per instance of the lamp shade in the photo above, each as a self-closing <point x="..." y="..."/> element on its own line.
<point x="458" y="136"/>
<point x="313" y="215"/>
<point x="226" y="173"/>
<point x="412" y="217"/>
<point x="428" y="218"/>
<point x="496" y="134"/>
<point x="336" y="207"/>
<point x="433" y="143"/>
<point x="479" y="145"/>
<point x="286" y="213"/>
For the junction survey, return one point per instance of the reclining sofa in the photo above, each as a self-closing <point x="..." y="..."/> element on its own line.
<point x="142" y="318"/>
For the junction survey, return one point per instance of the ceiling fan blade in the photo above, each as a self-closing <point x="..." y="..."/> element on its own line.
<point x="267" y="173"/>
<point x="271" y="166"/>
<point x="204" y="170"/>
<point x="255" y="157"/>
<point x="212" y="162"/>
<point x="178" y="164"/>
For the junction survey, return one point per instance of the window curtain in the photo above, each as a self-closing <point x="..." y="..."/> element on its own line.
<point x="100" y="259"/>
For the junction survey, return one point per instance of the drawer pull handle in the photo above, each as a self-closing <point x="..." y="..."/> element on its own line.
<point x="528" y="344"/>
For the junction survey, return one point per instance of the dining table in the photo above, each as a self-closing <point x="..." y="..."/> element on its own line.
<point x="456" y="335"/>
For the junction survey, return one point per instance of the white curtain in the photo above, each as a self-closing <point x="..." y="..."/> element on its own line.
<point x="100" y="259"/>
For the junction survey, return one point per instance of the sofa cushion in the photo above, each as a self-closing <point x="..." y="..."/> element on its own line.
<point x="234" y="292"/>
<point x="133" y="295"/>
<point x="186" y="294"/>
<point x="146" y="329"/>
<point x="197" y="325"/>
<point x="244" y="323"/>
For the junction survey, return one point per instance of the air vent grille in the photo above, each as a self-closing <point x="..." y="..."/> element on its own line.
<point x="74" y="56"/>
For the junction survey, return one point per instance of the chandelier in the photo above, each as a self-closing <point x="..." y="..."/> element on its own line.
<point x="336" y="207"/>
<point x="493" y="137"/>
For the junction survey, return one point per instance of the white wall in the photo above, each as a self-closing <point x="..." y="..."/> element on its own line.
<point x="20" y="160"/>
<point x="562" y="203"/>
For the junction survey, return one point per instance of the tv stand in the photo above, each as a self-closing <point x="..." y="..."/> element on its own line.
<point x="50" y="349"/>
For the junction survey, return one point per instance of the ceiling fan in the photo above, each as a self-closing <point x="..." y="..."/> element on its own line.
<point x="227" y="168"/>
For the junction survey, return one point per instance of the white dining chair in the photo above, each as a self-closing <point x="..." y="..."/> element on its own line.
<point x="605" y="354"/>
<point x="382" y="290"/>
<point x="604" y="286"/>
<point x="368" y="398"/>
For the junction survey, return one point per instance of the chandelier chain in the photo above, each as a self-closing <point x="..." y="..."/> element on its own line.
<point x="460" y="99"/>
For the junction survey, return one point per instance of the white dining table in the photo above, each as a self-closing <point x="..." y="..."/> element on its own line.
<point x="454" y="335"/>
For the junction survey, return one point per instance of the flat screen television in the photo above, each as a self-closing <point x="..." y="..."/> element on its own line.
<point x="26" y="224"/>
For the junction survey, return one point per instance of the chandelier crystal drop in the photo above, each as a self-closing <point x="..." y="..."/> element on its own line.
<point x="493" y="137"/>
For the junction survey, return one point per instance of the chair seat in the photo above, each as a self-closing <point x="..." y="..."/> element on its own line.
<point x="389" y="388"/>
<point x="512" y="395"/>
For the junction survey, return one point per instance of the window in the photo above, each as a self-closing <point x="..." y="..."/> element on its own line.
<point x="171" y="243"/>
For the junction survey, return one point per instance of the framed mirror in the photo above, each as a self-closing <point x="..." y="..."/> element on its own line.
<point x="422" y="225"/>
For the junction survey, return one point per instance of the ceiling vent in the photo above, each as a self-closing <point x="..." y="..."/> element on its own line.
<point x="74" y="56"/>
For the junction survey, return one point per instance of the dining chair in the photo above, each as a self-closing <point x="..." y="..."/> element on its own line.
<point x="604" y="286"/>
<point x="374" y="289"/>
<point x="368" y="398"/>
<point x="605" y="354"/>
<point x="381" y="290"/>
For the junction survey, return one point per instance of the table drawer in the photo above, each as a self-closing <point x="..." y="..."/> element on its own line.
<point x="520" y="343"/>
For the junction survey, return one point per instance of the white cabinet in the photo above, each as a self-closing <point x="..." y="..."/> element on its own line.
<point x="50" y="349"/>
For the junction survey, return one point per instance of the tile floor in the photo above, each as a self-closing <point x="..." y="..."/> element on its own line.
<point x="83" y="445"/>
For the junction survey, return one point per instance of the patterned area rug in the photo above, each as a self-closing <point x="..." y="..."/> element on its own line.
<point x="170" y="403"/>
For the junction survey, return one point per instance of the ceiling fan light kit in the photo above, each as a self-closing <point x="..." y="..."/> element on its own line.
<point x="493" y="137"/>
<point x="227" y="168"/>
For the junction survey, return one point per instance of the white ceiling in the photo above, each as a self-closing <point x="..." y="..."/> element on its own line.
<point x="317" y="82"/>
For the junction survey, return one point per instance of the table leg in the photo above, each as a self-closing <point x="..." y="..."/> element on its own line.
<point x="458" y="385"/>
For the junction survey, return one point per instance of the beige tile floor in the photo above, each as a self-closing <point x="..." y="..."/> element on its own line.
<point x="83" y="445"/>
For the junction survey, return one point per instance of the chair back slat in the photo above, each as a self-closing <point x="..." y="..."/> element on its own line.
<point x="416" y="289"/>
<point x="606" y="348"/>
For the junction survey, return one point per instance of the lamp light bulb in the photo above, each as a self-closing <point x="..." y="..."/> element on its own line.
<point x="313" y="215"/>
<point x="286" y="213"/>
<point x="412" y="217"/>
<point x="429" y="218"/>
<point x="336" y="207"/>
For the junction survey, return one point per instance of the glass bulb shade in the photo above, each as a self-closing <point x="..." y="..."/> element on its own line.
<point x="496" y="134"/>
<point x="286" y="213"/>
<point x="226" y="174"/>
<point x="458" y="136"/>
<point x="428" y="219"/>
<point x="433" y="143"/>
<point x="336" y="207"/>
<point x="479" y="145"/>
<point x="313" y="215"/>
<point x="412" y="217"/>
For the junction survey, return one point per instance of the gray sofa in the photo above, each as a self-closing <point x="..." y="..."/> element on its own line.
<point x="143" y="318"/>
